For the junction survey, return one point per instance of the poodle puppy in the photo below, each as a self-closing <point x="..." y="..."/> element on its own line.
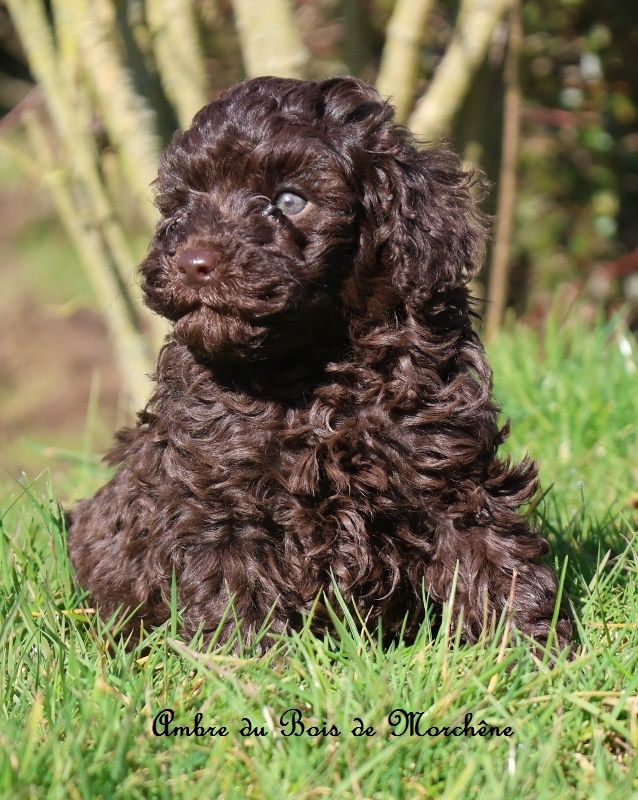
<point x="322" y="411"/>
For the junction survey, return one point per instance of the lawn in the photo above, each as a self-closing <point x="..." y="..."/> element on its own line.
<point x="78" y="710"/>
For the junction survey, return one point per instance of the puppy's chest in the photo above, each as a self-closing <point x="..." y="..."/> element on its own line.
<point x="348" y="457"/>
<point x="306" y="457"/>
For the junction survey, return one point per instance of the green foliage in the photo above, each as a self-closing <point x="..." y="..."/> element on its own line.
<point x="571" y="405"/>
<point x="77" y="708"/>
<point x="578" y="200"/>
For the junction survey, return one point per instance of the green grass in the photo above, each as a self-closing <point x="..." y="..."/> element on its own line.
<point x="77" y="709"/>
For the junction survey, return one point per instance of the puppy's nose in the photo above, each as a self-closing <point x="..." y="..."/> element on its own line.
<point x="196" y="266"/>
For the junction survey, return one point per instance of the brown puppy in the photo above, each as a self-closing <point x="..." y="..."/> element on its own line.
<point x="322" y="407"/>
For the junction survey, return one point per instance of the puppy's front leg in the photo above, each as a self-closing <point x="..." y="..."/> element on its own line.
<point x="497" y="572"/>
<point x="112" y="536"/>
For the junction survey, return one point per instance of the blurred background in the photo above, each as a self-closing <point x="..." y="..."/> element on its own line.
<point x="542" y="95"/>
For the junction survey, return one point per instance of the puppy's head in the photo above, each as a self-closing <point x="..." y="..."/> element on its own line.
<point x="295" y="210"/>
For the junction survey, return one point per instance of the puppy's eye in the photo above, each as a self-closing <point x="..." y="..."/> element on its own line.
<point x="290" y="203"/>
<point x="169" y="227"/>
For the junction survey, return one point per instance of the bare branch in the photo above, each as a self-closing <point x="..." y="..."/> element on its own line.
<point x="130" y="351"/>
<point x="179" y="55"/>
<point x="270" y="40"/>
<point x="498" y="283"/>
<point x="475" y="25"/>
<point x="129" y="121"/>
<point x="399" y="68"/>
<point x="55" y="62"/>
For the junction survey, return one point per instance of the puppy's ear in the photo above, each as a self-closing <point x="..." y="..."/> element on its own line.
<point x="421" y="228"/>
<point x="428" y="231"/>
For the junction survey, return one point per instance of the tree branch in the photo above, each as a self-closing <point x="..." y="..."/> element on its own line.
<point x="129" y="121"/>
<point x="56" y="69"/>
<point x="475" y="25"/>
<point x="498" y="283"/>
<point x="178" y="54"/>
<point x="269" y="38"/>
<point x="130" y="351"/>
<point x="399" y="67"/>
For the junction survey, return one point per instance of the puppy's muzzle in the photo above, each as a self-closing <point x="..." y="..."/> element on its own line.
<point x="196" y="267"/>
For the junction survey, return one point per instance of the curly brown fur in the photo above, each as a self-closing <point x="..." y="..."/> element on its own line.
<point x="322" y="408"/>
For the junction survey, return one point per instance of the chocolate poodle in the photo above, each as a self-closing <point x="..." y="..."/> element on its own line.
<point x="322" y="412"/>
